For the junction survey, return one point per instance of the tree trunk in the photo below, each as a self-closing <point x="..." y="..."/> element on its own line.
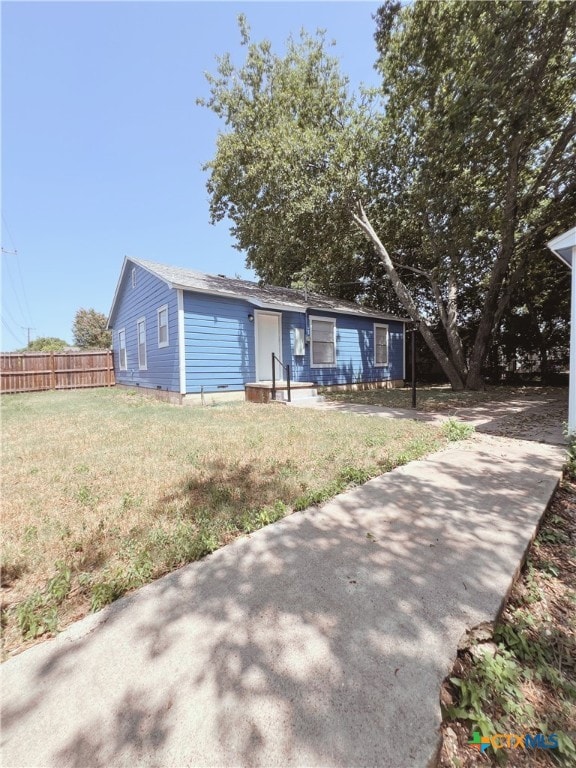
<point x="453" y="375"/>
<point x="454" y="339"/>
<point x="499" y="269"/>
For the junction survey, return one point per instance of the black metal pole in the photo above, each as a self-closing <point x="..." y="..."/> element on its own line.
<point x="288" y="382"/>
<point x="273" y="377"/>
<point x="413" y="366"/>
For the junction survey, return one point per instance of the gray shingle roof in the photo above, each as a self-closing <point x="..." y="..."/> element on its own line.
<point x="268" y="296"/>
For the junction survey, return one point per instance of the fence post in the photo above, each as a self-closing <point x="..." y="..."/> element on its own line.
<point x="52" y="371"/>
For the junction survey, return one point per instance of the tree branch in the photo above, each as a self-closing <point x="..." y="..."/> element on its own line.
<point x="563" y="141"/>
<point x="361" y="220"/>
<point x="422" y="272"/>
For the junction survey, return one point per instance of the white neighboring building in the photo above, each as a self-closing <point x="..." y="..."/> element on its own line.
<point x="564" y="246"/>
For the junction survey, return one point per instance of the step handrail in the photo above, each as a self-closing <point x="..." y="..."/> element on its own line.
<point x="286" y="368"/>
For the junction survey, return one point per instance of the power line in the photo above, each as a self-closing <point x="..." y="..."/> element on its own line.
<point x="24" y="313"/>
<point x="27" y="317"/>
<point x="8" y="325"/>
<point x="19" y="340"/>
<point x="23" y="290"/>
<point x="6" y="311"/>
<point x="12" y="283"/>
<point x="7" y="228"/>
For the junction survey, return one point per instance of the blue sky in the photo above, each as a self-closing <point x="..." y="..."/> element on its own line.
<point x="103" y="143"/>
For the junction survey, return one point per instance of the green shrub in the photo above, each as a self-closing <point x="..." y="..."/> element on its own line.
<point x="456" y="430"/>
<point x="35" y="616"/>
<point x="104" y="592"/>
<point x="571" y="454"/>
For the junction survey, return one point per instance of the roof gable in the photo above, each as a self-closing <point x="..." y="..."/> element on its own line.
<point x="563" y="246"/>
<point x="268" y="297"/>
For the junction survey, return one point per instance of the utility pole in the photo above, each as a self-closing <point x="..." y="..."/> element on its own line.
<point x="27" y="328"/>
<point x="415" y="327"/>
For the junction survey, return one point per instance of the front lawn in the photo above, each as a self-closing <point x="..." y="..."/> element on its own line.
<point x="104" y="490"/>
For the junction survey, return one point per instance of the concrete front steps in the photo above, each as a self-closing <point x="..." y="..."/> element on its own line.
<point x="299" y="396"/>
<point x="303" y="392"/>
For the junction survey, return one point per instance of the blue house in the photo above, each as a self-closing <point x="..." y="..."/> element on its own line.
<point x="189" y="334"/>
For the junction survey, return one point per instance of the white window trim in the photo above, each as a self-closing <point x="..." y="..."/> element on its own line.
<point x="163" y="308"/>
<point x="387" y="363"/>
<point x="122" y="335"/>
<point x="181" y="341"/>
<point x="140" y="366"/>
<point x="311" y="319"/>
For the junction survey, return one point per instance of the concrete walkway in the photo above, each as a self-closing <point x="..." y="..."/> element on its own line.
<point x="321" y="640"/>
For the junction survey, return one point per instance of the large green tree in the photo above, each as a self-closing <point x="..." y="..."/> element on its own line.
<point x="481" y="110"/>
<point x="443" y="183"/>
<point x="89" y="329"/>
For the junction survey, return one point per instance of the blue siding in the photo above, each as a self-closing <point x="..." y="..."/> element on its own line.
<point x="221" y="354"/>
<point x="220" y="348"/>
<point x="143" y="300"/>
<point x="354" y="350"/>
<point x="220" y="351"/>
<point x="219" y="341"/>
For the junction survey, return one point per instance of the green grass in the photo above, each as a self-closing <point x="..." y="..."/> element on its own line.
<point x="104" y="490"/>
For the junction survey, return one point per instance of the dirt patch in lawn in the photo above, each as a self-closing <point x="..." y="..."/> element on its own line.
<point x="525" y="413"/>
<point x="442" y="399"/>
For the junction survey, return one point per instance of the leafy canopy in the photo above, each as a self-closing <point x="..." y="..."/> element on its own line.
<point x="441" y="185"/>
<point x="89" y="329"/>
<point x="46" y="344"/>
<point x="291" y="157"/>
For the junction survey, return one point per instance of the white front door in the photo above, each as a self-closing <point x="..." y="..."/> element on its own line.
<point x="268" y="339"/>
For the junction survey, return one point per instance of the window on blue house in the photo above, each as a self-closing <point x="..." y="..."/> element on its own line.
<point x="380" y="345"/>
<point x="163" y="339"/>
<point x="322" y="342"/>
<point x="122" y="350"/>
<point x="141" y="333"/>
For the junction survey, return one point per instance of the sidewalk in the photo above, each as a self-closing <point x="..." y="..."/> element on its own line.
<point x="321" y="640"/>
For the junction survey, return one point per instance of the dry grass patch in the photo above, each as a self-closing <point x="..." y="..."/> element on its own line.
<point x="104" y="490"/>
<point x="442" y="398"/>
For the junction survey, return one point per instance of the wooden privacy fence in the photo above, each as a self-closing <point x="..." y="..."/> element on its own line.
<point x="33" y="371"/>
